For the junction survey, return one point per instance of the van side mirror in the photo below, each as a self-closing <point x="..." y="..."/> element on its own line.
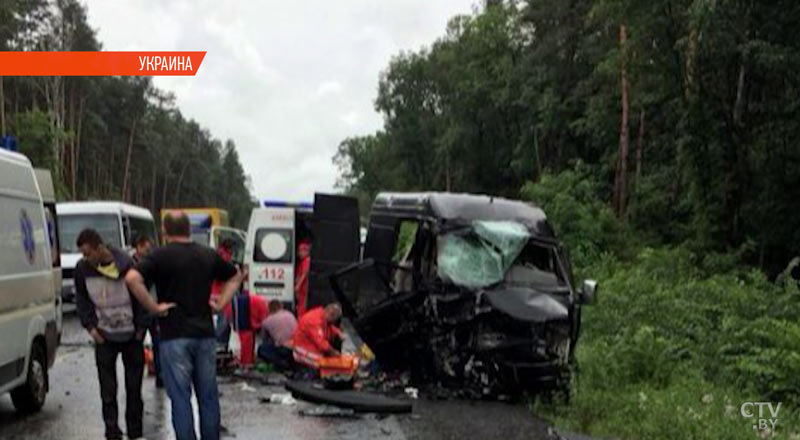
<point x="588" y="293"/>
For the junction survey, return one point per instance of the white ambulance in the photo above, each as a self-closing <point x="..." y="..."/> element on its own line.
<point x="29" y="305"/>
<point x="330" y="225"/>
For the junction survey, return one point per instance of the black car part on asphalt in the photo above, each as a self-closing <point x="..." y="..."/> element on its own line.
<point x="359" y="401"/>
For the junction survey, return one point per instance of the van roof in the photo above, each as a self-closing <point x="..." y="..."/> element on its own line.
<point x="110" y="207"/>
<point x="462" y="208"/>
<point x="12" y="156"/>
<point x="16" y="176"/>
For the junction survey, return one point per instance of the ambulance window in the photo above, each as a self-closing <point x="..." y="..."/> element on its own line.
<point x="274" y="245"/>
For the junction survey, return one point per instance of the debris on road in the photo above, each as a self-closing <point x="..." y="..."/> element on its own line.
<point x="328" y="411"/>
<point x="412" y="392"/>
<point x="280" y="398"/>
<point x="265" y="378"/>
<point x="248" y="388"/>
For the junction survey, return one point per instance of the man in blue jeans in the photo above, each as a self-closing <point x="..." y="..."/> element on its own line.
<point x="183" y="272"/>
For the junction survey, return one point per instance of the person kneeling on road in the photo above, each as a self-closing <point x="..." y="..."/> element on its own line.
<point x="246" y="312"/>
<point x="315" y="333"/>
<point x="117" y="323"/>
<point x="279" y="327"/>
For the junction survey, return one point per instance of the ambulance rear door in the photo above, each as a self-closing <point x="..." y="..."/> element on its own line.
<point x="235" y="237"/>
<point x="270" y="253"/>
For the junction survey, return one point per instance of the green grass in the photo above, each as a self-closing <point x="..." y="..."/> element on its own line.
<point x="680" y="337"/>
<point x="676" y="344"/>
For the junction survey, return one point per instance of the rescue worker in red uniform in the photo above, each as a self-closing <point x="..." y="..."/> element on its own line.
<point x="246" y="312"/>
<point x="314" y="334"/>
<point x="301" y="277"/>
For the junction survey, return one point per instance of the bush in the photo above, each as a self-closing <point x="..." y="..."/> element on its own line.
<point x="679" y="338"/>
<point x="665" y="335"/>
<point x="579" y="217"/>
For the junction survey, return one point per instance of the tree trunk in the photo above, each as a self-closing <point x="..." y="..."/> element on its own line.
<point x="164" y="190"/>
<point x="737" y="107"/>
<point x="110" y="171"/>
<point x="538" y="156"/>
<point x="447" y="176"/>
<point x="76" y="150"/>
<point x="153" y="192"/>
<point x="69" y="149"/>
<point x="622" y="174"/>
<point x="691" y="66"/>
<point x="16" y="97"/>
<point x="96" y="190"/>
<point x="639" y="146"/>
<point x="178" y="185"/>
<point x="2" y="109"/>
<point x="126" y="174"/>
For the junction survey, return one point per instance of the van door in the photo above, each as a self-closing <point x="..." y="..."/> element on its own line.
<point x="55" y="257"/>
<point x="335" y="243"/>
<point x="380" y="294"/>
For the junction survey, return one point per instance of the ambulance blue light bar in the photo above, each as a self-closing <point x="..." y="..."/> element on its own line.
<point x="9" y="143"/>
<point x="284" y="204"/>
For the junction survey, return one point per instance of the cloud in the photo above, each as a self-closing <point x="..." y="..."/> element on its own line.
<point x="329" y="88"/>
<point x="287" y="81"/>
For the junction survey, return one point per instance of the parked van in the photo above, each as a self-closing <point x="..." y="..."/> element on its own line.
<point x="28" y="302"/>
<point x="275" y="230"/>
<point x="118" y="223"/>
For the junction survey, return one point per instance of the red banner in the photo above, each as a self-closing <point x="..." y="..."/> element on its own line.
<point x="100" y="63"/>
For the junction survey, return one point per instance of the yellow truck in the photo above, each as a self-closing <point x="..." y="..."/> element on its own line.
<point x="210" y="227"/>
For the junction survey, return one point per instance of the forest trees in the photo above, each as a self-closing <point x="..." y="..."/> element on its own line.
<point x="109" y="137"/>
<point x="689" y="115"/>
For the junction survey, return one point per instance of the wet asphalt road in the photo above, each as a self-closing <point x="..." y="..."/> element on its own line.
<point x="72" y="411"/>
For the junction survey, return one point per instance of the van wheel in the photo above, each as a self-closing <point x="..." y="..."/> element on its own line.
<point x="29" y="397"/>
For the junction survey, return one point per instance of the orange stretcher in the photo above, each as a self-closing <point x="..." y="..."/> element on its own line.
<point x="344" y="365"/>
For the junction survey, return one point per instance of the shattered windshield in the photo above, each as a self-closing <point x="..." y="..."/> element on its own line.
<point x="480" y="255"/>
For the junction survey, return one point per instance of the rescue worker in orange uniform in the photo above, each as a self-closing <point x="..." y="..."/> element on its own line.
<point x="315" y="334"/>
<point x="301" y="277"/>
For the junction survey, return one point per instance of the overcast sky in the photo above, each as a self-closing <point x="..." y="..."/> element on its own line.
<point x="287" y="81"/>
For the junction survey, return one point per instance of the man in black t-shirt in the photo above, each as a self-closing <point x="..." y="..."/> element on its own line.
<point x="183" y="272"/>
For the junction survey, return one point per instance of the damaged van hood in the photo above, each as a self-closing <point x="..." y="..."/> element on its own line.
<point x="527" y="305"/>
